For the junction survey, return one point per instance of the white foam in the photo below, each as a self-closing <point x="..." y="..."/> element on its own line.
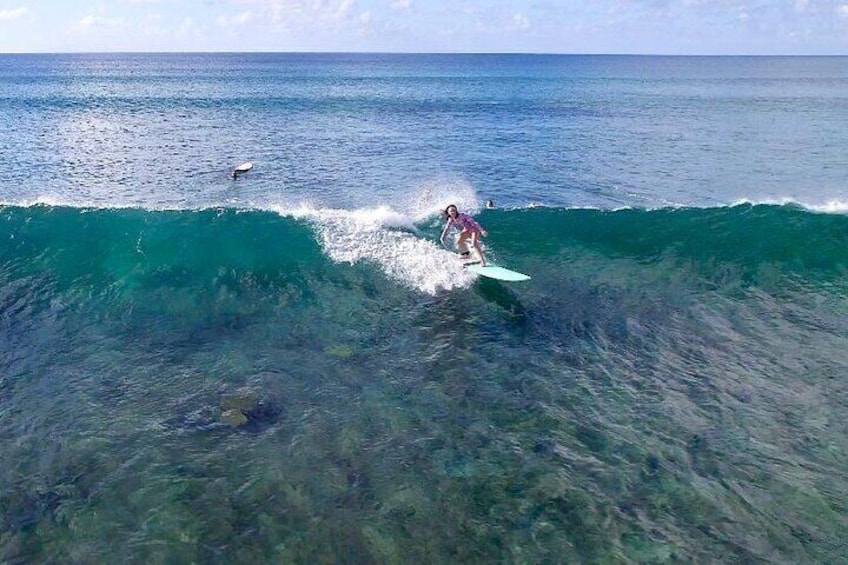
<point x="764" y="201"/>
<point x="372" y="234"/>
<point x="50" y="201"/>
<point x="829" y="207"/>
<point x="429" y="200"/>
<point x="87" y="204"/>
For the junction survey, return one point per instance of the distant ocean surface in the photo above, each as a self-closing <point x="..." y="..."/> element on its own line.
<point x="288" y="368"/>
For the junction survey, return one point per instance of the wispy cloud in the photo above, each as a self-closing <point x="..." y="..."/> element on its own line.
<point x="344" y="9"/>
<point x="152" y="25"/>
<point x="242" y="18"/>
<point x="13" y="14"/>
<point x="188" y="28"/>
<point x="92" y="21"/>
<point x="667" y="26"/>
<point x="520" y="21"/>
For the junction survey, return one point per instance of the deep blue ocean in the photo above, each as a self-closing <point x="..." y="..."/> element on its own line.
<point x="289" y="368"/>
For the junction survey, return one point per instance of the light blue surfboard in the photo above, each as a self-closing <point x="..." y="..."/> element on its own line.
<point x="495" y="272"/>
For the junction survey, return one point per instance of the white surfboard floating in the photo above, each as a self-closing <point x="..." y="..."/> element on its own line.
<point x="244" y="167"/>
<point x="496" y="272"/>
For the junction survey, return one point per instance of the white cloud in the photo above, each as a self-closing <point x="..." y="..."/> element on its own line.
<point x="278" y="14"/>
<point x="235" y="19"/>
<point x="13" y="14"/>
<point x="463" y="25"/>
<point x="92" y="21"/>
<point x="152" y="25"/>
<point x="345" y="6"/>
<point x="520" y="21"/>
<point x="188" y="28"/>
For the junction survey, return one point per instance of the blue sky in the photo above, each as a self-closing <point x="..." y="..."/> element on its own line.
<point x="536" y="26"/>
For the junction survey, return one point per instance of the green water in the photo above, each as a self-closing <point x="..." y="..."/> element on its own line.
<point x="177" y="392"/>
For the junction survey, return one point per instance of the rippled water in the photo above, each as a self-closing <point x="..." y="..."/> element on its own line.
<point x="351" y="131"/>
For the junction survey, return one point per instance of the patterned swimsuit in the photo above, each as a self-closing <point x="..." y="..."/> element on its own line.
<point x="464" y="222"/>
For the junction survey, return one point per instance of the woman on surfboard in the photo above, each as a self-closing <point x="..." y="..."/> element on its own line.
<point x="469" y="231"/>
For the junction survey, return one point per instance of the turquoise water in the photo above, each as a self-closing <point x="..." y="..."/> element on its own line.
<point x="288" y="368"/>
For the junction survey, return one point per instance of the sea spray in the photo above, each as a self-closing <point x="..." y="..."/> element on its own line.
<point x="390" y="240"/>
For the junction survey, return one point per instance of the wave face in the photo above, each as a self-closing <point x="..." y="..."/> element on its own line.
<point x="745" y="239"/>
<point x="186" y="385"/>
<point x="135" y="248"/>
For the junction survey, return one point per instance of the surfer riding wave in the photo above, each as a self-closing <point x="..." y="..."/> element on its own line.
<point x="470" y="232"/>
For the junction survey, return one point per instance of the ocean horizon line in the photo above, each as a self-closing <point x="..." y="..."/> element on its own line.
<point x="441" y="53"/>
